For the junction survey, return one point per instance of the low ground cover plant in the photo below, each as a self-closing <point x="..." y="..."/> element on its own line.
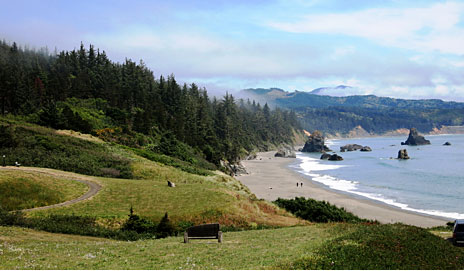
<point x="317" y="211"/>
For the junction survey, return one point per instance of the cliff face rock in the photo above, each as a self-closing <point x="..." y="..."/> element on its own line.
<point x="415" y="139"/>
<point x="315" y="143"/>
<point x="358" y="131"/>
<point x="403" y="154"/>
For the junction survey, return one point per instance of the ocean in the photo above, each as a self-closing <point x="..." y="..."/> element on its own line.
<point x="431" y="182"/>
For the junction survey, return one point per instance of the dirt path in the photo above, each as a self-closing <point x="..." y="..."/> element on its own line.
<point x="94" y="187"/>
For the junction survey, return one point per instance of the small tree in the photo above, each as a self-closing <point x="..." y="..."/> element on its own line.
<point x="165" y="227"/>
<point x="139" y="225"/>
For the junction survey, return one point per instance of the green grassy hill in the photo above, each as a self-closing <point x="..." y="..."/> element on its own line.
<point x="127" y="179"/>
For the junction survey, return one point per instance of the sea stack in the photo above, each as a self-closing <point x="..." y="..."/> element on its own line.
<point x="315" y="143"/>
<point x="403" y="154"/>
<point x="415" y="139"/>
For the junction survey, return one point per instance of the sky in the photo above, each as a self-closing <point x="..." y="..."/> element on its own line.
<point x="397" y="48"/>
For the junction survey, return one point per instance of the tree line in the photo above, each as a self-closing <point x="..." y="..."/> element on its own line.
<point x="71" y="89"/>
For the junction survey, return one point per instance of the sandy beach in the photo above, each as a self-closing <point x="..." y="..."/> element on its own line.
<point x="270" y="178"/>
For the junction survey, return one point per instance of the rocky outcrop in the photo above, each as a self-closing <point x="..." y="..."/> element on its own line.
<point x="403" y="154"/>
<point x="285" y="153"/>
<point x="239" y="169"/>
<point x="315" y="143"/>
<point x="325" y="156"/>
<point x="335" y="157"/>
<point x="366" y="148"/>
<point x="415" y="139"/>
<point x="233" y="169"/>
<point x="350" y="147"/>
<point x="447" y="144"/>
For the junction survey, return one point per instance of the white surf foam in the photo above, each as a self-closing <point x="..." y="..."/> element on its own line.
<point x="310" y="166"/>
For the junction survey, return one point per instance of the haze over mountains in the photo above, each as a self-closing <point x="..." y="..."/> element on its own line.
<point x="333" y="110"/>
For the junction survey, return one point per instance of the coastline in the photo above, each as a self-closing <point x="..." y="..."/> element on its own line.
<point x="270" y="178"/>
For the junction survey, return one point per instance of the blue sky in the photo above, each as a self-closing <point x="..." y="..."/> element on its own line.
<point x="406" y="49"/>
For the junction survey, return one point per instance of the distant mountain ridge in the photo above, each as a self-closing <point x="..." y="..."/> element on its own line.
<point x="376" y="115"/>
<point x="316" y="99"/>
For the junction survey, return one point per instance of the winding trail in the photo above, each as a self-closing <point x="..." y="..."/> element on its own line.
<point x="94" y="187"/>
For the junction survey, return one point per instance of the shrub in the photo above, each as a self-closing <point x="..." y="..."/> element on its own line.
<point x="317" y="211"/>
<point x="138" y="225"/>
<point x="165" y="227"/>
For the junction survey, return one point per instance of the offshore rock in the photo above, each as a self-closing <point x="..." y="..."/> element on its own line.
<point x="403" y="154"/>
<point x="447" y="144"/>
<point x="335" y="157"/>
<point x="366" y="148"/>
<point x="350" y="147"/>
<point x="315" y="143"/>
<point x="415" y="139"/>
<point x="325" y="156"/>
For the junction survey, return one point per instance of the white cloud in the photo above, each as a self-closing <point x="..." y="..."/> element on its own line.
<point x="429" y="28"/>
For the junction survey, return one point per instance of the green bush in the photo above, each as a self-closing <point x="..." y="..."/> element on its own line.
<point x="165" y="227"/>
<point x="138" y="225"/>
<point x="317" y="211"/>
<point x="7" y="136"/>
<point x="375" y="246"/>
<point x="147" y="227"/>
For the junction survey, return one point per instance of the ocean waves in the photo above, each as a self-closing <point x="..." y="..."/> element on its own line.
<point x="317" y="171"/>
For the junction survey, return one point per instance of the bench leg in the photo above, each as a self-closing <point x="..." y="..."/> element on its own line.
<point x="220" y="236"/>
<point x="186" y="237"/>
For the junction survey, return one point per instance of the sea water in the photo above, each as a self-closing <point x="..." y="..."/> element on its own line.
<point x="431" y="182"/>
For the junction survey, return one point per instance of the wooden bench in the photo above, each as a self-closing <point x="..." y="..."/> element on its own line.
<point x="205" y="231"/>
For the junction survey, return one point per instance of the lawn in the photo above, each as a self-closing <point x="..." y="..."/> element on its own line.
<point x="22" y="190"/>
<point x="256" y="249"/>
<point x="317" y="246"/>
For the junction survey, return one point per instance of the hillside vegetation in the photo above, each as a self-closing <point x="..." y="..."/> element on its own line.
<point x="319" y="246"/>
<point x="84" y="91"/>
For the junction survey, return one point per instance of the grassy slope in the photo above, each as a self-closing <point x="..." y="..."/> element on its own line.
<point x="196" y="199"/>
<point x="318" y="246"/>
<point x="33" y="145"/>
<point x="23" y="190"/>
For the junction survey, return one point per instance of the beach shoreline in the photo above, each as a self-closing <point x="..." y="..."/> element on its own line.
<point x="270" y="177"/>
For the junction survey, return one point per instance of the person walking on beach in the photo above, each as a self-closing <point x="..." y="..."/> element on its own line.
<point x="296" y="184"/>
<point x="301" y="185"/>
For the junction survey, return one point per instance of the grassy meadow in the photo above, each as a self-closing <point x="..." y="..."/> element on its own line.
<point x="195" y="199"/>
<point x="24" y="190"/>
<point x="318" y="246"/>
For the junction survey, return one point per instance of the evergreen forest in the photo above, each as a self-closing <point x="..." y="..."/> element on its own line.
<point x="125" y="103"/>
